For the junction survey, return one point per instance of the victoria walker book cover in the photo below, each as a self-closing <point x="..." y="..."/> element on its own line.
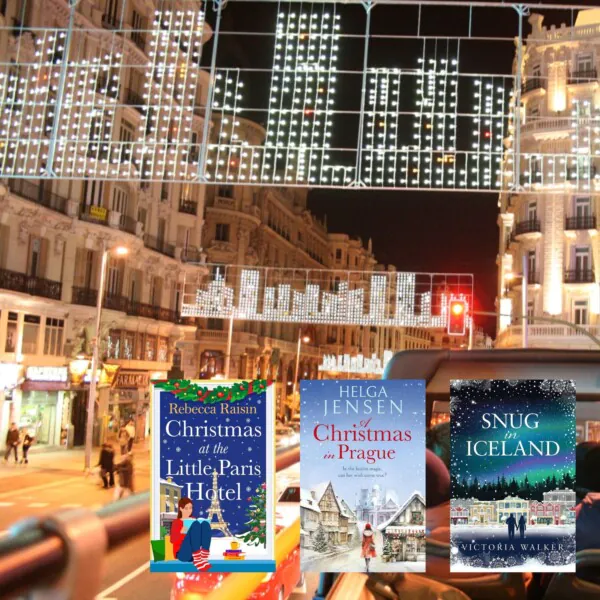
<point x="512" y="504"/>
<point x="362" y="476"/>
<point x="213" y="476"/>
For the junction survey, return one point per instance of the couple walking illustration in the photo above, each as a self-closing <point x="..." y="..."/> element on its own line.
<point x="512" y="523"/>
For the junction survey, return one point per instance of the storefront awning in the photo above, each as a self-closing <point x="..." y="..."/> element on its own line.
<point x="413" y="530"/>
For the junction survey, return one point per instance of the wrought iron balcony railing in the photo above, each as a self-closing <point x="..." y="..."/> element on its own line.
<point x="36" y="193"/>
<point x="583" y="76"/>
<point x="581" y="222"/>
<point x="28" y="284"/>
<point x="189" y="207"/>
<point x="529" y="226"/>
<point x="533" y="83"/>
<point x="159" y="245"/>
<point x="191" y="254"/>
<point x="579" y="276"/>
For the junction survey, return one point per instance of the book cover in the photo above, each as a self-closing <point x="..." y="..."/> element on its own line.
<point x="362" y="476"/>
<point x="213" y="476"/>
<point x="512" y="502"/>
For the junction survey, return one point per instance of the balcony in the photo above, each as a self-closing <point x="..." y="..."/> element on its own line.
<point x="103" y="86"/>
<point x="581" y="222"/>
<point x="132" y="98"/>
<point x="28" y="284"/>
<point x="533" y="83"/>
<point x="189" y="207"/>
<point x="579" y="276"/>
<point x="138" y="39"/>
<point x="583" y="76"/>
<point x="190" y="254"/>
<point x="159" y="245"/>
<point x="36" y="193"/>
<point x="529" y="226"/>
<point x="546" y="335"/>
<point x="533" y="278"/>
<point x="581" y="173"/>
<point x="128" y="224"/>
<point x="88" y="297"/>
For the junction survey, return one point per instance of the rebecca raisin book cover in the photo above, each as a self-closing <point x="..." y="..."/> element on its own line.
<point x="213" y="476"/>
<point x="362" y="475"/>
<point x="512" y="504"/>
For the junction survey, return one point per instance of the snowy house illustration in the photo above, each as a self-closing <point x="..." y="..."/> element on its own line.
<point x="512" y="505"/>
<point x="459" y="511"/>
<point x="482" y="512"/>
<point x="331" y="515"/>
<point x="349" y="518"/>
<point x="309" y="518"/>
<point x="406" y="530"/>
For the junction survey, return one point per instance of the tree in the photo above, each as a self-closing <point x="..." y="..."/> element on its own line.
<point x="257" y="518"/>
<point x="386" y="553"/>
<point x="320" y="543"/>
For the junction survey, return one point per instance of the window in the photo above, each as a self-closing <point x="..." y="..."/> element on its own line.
<point x="583" y="207"/>
<point x="112" y="12"/>
<point x="536" y="70"/>
<point x="53" y="338"/>
<point x="218" y="272"/>
<point x="530" y="311"/>
<point x="35" y="257"/>
<point x="119" y="200"/>
<point x="580" y="312"/>
<point x="531" y="265"/>
<point x="11" y="333"/>
<point x="114" y="279"/>
<point x="222" y="232"/>
<point x="584" y="62"/>
<point x="225" y="191"/>
<point x="31" y="328"/>
<point x="338" y="254"/>
<point x="92" y="192"/>
<point x="126" y="136"/>
<point x="142" y="216"/>
<point x="156" y="291"/>
<point x="582" y="259"/>
<point x="162" y="228"/>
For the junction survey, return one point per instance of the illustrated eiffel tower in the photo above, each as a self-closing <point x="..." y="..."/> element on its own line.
<point x="215" y="509"/>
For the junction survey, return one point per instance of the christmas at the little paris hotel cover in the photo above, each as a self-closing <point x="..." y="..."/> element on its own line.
<point x="512" y="472"/>
<point x="213" y="476"/>
<point x="362" y="476"/>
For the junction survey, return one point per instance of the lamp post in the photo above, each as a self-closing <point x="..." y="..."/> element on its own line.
<point x="121" y="251"/>
<point x="301" y="339"/>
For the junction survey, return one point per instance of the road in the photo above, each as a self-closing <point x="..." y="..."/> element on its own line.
<point x="55" y="480"/>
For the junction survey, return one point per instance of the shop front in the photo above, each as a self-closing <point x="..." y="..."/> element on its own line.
<point x="404" y="543"/>
<point x="45" y="402"/>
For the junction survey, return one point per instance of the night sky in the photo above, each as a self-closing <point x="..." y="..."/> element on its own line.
<point x="413" y="230"/>
<point x="552" y="400"/>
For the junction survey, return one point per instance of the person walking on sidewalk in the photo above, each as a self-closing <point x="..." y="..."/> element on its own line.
<point x="12" y="442"/>
<point x="123" y="440"/>
<point x="27" y="441"/>
<point x="124" y="469"/>
<point x="106" y="462"/>
<point x="130" y="428"/>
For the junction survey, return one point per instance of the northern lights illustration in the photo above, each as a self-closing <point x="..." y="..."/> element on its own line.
<point x="552" y="400"/>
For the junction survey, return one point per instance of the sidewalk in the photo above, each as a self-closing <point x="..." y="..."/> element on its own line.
<point x="62" y="461"/>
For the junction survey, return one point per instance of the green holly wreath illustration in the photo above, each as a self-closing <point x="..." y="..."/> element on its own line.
<point x="184" y="389"/>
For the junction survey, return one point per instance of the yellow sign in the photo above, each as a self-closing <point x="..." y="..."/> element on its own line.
<point x="98" y="212"/>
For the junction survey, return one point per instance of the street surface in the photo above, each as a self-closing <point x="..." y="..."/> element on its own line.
<point x="55" y="480"/>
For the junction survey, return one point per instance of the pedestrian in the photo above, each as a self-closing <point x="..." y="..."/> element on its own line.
<point x="12" y="442"/>
<point x="130" y="428"/>
<point x="106" y="462"/>
<point x="124" y="469"/>
<point x="367" y="549"/>
<point x="522" y="526"/>
<point x="27" y="441"/>
<point x="511" y="523"/>
<point x="123" y="440"/>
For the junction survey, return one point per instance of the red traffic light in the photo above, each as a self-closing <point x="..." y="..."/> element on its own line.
<point x="457" y="317"/>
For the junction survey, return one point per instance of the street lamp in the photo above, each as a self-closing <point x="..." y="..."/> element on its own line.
<point x="305" y="339"/>
<point x="119" y="251"/>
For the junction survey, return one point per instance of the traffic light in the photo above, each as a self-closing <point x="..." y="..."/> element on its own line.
<point x="457" y="317"/>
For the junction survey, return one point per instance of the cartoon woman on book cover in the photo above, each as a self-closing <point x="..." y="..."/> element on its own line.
<point x="191" y="537"/>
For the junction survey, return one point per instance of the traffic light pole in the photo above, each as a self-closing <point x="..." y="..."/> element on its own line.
<point x="577" y="328"/>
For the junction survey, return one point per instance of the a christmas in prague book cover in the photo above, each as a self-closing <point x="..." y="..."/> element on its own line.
<point x="213" y="476"/>
<point x="512" y="504"/>
<point x="362" y="475"/>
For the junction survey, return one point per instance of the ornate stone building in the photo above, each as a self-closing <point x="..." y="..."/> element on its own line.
<point x="52" y="235"/>
<point x="552" y="221"/>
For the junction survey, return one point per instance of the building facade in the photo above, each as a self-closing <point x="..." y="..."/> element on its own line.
<point x="550" y="222"/>
<point x="53" y="234"/>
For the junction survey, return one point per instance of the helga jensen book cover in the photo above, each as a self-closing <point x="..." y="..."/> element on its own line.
<point x="362" y="475"/>
<point x="512" y="504"/>
<point x="213" y="476"/>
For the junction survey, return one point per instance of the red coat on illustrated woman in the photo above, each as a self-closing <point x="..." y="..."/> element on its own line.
<point x="367" y="549"/>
